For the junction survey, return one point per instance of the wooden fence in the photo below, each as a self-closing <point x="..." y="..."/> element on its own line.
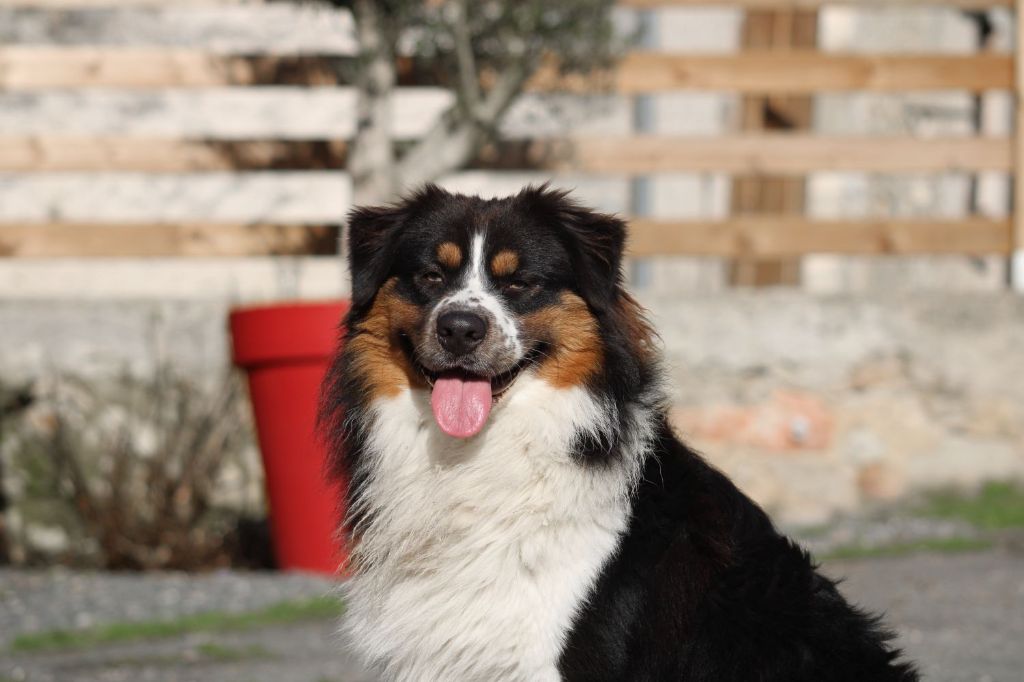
<point x="798" y="71"/>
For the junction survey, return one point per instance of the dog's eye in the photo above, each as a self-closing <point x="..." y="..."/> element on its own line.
<point x="515" y="286"/>
<point x="432" y="277"/>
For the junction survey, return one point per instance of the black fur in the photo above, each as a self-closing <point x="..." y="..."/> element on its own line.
<point x="702" y="588"/>
<point x="372" y="243"/>
<point x="594" y="241"/>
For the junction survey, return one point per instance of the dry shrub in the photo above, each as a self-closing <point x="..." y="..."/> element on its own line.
<point x="133" y="471"/>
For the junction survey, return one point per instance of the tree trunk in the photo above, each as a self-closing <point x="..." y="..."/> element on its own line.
<point x="372" y="161"/>
<point x="453" y="140"/>
<point x="456" y="137"/>
<point x="448" y="146"/>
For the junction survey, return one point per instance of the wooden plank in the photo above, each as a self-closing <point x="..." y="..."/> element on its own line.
<point x="789" y="154"/>
<point x="779" y="154"/>
<point x="781" y="236"/>
<point x="67" y="240"/>
<point x="811" y="4"/>
<point x="760" y="193"/>
<point x="806" y="72"/>
<point x="751" y="236"/>
<point x="154" y="155"/>
<point x="798" y="71"/>
<point x="37" y="67"/>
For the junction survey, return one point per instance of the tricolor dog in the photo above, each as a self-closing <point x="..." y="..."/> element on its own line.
<point x="519" y="508"/>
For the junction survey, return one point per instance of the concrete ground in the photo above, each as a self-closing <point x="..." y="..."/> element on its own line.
<point x="961" y="616"/>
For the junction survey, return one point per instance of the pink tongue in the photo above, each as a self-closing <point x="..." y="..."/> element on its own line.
<point x="461" y="405"/>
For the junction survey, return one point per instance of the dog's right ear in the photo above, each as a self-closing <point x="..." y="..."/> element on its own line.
<point x="371" y="249"/>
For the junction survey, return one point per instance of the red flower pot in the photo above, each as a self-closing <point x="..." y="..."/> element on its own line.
<point x="285" y="350"/>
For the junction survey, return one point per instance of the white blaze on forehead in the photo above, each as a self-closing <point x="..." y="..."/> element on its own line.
<point x="476" y="292"/>
<point x="475" y="280"/>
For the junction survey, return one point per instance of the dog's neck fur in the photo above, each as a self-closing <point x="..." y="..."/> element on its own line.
<point x="476" y="555"/>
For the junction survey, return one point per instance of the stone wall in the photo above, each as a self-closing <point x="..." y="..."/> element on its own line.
<point x="822" y="405"/>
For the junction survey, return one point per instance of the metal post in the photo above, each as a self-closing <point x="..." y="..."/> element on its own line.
<point x="640" y="189"/>
<point x="1017" y="243"/>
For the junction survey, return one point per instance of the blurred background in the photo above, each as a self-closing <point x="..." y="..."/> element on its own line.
<point x="822" y="205"/>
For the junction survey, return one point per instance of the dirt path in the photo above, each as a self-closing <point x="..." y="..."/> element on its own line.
<point x="960" y="616"/>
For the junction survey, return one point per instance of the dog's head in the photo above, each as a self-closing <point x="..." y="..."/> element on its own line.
<point x="461" y="296"/>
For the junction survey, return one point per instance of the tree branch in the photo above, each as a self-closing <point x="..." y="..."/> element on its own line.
<point x="372" y="162"/>
<point x="469" y="84"/>
<point x="457" y="135"/>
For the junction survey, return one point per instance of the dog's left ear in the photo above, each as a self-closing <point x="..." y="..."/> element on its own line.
<point x="596" y="242"/>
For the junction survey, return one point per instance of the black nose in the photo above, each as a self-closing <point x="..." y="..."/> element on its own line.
<point x="460" y="332"/>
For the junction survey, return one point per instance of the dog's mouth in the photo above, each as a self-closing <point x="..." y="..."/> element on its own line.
<point x="461" y="400"/>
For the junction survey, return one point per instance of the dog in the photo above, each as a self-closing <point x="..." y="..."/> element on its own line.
<point x="518" y="507"/>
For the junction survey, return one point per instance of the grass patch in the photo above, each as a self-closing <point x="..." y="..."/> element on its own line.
<point x="204" y="653"/>
<point x="318" y="608"/>
<point x="952" y="545"/>
<point x="997" y="506"/>
<point x="230" y="654"/>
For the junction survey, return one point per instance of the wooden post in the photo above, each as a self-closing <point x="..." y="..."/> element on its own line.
<point x="766" y="194"/>
<point x="1017" y="258"/>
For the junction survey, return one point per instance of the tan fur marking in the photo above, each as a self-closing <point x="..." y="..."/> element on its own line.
<point x="380" y="360"/>
<point x="504" y="263"/>
<point x="571" y="331"/>
<point x="449" y="255"/>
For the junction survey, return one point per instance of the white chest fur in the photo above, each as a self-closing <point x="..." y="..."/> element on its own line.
<point x="480" y="552"/>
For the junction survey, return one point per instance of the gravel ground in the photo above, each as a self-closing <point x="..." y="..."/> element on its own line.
<point x="62" y="599"/>
<point x="961" y="616"/>
<point x="886" y="530"/>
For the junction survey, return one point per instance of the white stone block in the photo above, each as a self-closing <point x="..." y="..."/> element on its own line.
<point x="895" y="29"/>
<point x="280" y="28"/>
<point x="319" y="196"/>
<point x="686" y="113"/>
<point x="836" y="274"/>
<point x="219" y="113"/>
<point x="690" y="195"/>
<point x="605" y="193"/>
<point x="698" y="29"/>
<point x="238" y="280"/>
<point x="1017" y="271"/>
